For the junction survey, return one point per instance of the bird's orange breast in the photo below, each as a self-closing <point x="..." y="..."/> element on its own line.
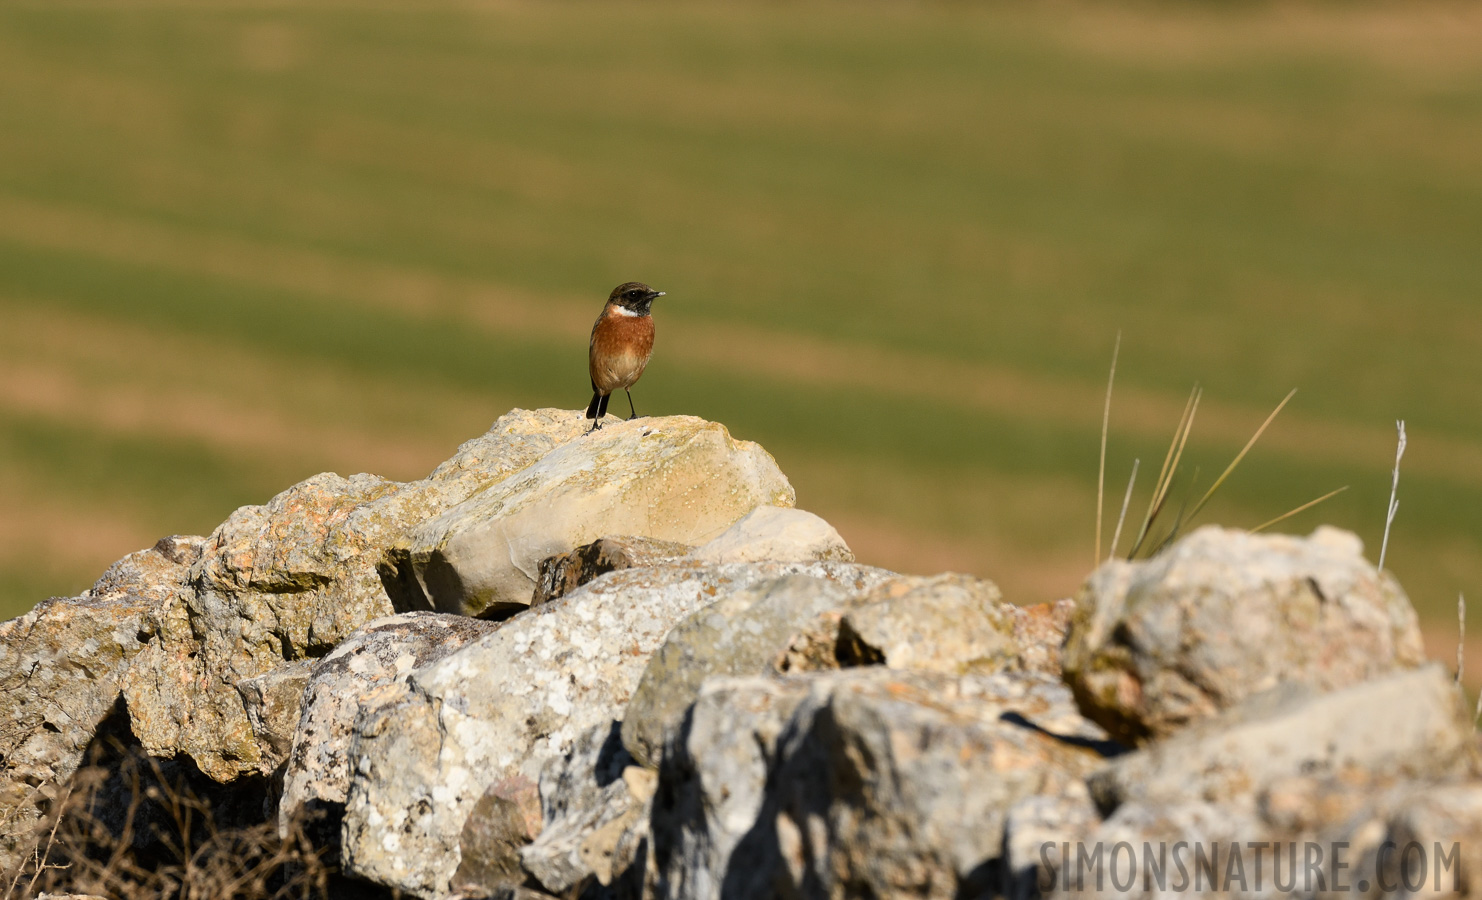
<point x="620" y="349"/>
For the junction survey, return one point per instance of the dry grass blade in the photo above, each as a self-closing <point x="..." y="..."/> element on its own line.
<point x="1394" y="494"/>
<point x="1303" y="508"/>
<point x="1461" y="636"/>
<point x="1126" y="500"/>
<point x="1170" y="466"/>
<point x="1101" y="468"/>
<point x="1179" y="520"/>
<point x="1241" y="455"/>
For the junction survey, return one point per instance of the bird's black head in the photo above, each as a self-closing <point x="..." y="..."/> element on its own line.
<point x="634" y="296"/>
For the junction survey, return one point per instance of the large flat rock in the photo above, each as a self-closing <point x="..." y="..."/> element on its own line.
<point x="677" y="479"/>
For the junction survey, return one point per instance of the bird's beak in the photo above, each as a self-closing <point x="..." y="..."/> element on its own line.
<point x="657" y="294"/>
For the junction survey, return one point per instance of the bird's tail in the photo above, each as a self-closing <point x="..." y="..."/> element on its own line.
<point x="597" y="407"/>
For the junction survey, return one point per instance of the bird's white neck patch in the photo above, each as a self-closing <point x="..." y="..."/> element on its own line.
<point x="624" y="311"/>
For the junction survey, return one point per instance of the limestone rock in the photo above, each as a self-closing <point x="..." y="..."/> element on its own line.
<point x="61" y="668"/>
<point x="948" y="623"/>
<point x="1427" y="842"/>
<point x="1154" y="851"/>
<point x="861" y="782"/>
<point x="1039" y="633"/>
<point x="272" y="702"/>
<point x="590" y="799"/>
<point x="742" y="634"/>
<point x="1036" y="833"/>
<point x="1410" y="723"/>
<point x="678" y="479"/>
<point x="490" y="842"/>
<point x="154" y="574"/>
<point x="775" y="533"/>
<point x="712" y="789"/>
<point x="495" y="712"/>
<point x="1222" y="615"/>
<point x="347" y="682"/>
<point x="563" y="573"/>
<point x="289" y="580"/>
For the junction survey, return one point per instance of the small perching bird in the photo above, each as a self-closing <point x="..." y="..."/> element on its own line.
<point x="622" y="342"/>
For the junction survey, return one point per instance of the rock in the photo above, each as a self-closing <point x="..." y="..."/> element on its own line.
<point x="61" y="668"/>
<point x="772" y="533"/>
<point x="1035" y="831"/>
<point x="1222" y="615"/>
<point x="154" y="574"/>
<point x="742" y="634"/>
<point x="490" y="843"/>
<point x="565" y="572"/>
<point x="495" y="712"/>
<point x="1039" y="632"/>
<point x="272" y="702"/>
<point x="1152" y="851"/>
<point x="345" y="683"/>
<point x="590" y="799"/>
<point x="1428" y="842"/>
<point x="861" y="782"/>
<point x="948" y="623"/>
<point x="1423" y="732"/>
<point x="289" y="580"/>
<point x="775" y="533"/>
<point x="713" y="781"/>
<point x="678" y="479"/>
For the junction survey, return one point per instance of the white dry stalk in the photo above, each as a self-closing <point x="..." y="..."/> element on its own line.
<point x="1101" y="469"/>
<point x="1394" y="498"/>
<point x="1461" y="638"/>
<point x="1126" y="499"/>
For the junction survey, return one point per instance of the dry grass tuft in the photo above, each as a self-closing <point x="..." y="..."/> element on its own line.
<point x="132" y="827"/>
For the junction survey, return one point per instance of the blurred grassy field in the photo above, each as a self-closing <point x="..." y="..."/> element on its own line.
<point x="244" y="242"/>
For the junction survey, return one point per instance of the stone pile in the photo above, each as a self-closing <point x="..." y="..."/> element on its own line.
<point x="622" y="665"/>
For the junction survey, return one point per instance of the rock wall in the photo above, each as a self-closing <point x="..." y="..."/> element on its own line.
<point x="621" y="665"/>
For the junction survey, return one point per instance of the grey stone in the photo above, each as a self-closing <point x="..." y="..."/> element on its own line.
<point x="1185" y="848"/>
<point x="742" y="634"/>
<point x="589" y="800"/>
<point x="947" y="623"/>
<point x="1427" y="842"/>
<point x="272" y="702"/>
<point x="354" y="680"/>
<point x="1222" y="615"/>
<point x="1410" y="723"/>
<point x="1036" y="832"/>
<point x="861" y="782"/>
<point x="492" y="714"/>
<point x="62" y="666"/>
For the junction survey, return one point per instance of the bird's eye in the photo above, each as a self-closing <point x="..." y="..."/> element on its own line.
<point x="635" y="294"/>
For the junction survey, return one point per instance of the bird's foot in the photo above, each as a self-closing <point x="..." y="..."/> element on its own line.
<point x="635" y="416"/>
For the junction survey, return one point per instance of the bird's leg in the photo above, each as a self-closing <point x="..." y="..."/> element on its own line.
<point x="632" y="413"/>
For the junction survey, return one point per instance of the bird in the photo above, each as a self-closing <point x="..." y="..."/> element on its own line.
<point x="622" y="342"/>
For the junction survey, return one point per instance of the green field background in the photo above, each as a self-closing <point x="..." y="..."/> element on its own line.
<point x="241" y="243"/>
